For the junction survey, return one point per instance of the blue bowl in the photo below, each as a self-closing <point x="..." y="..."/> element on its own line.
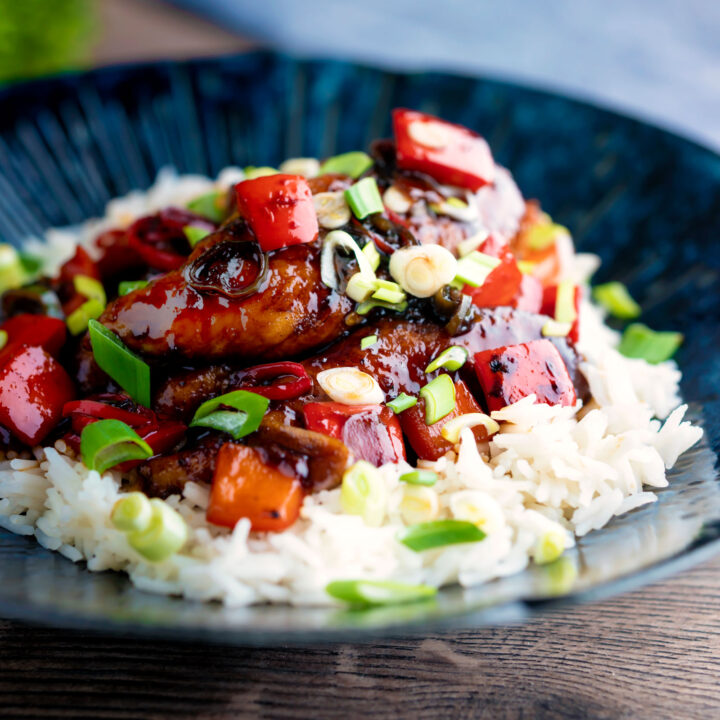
<point x="646" y="201"/>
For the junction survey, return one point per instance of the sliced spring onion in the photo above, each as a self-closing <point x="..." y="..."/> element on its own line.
<point x="472" y="243"/>
<point x="639" y="341"/>
<point x="365" y="307"/>
<point x="550" y="546"/>
<point x="565" y="311"/>
<point x="350" y="386"/>
<point x="457" y="209"/>
<point x="129" y="371"/>
<point x="12" y="273"/>
<point x="420" y="477"/>
<point x="77" y="321"/>
<point x="372" y="254"/>
<point x="90" y="288"/>
<point x="360" y="287"/>
<point x="3" y="339"/>
<point x="452" y="358"/>
<point x="31" y="264"/>
<point x="210" y="205"/>
<point x="438" y="533"/>
<point x="368" y="341"/>
<point x="541" y="237"/>
<point x="332" y="210"/>
<point x="363" y="493"/>
<point x="439" y="396"/>
<point x="353" y="163"/>
<point x="339" y="239"/>
<point x="418" y="504"/>
<point x="452" y="428"/>
<point x="388" y="292"/>
<point x="364" y="198"/>
<point x="307" y="167"/>
<point x="378" y="592"/>
<point x="128" y="286"/>
<point x="195" y="234"/>
<point x="474" y="268"/>
<point x="422" y="270"/>
<point x="246" y="413"/>
<point x="396" y="200"/>
<point x="616" y="299"/>
<point x="166" y="533"/>
<point x="106" y="443"/>
<point x="131" y="512"/>
<point x="526" y="267"/>
<point x="553" y="328"/>
<point x="402" y="402"/>
<point x="253" y="173"/>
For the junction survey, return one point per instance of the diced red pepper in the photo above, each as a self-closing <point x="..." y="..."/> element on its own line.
<point x="549" y="301"/>
<point x="246" y="486"/>
<point x="160" y="239"/>
<point x="508" y="374"/>
<point x="372" y="432"/>
<point x="33" y="389"/>
<point x="452" y="154"/>
<point x="279" y="209"/>
<point x="27" y="329"/>
<point x="117" y="257"/>
<point x="427" y="440"/>
<point x="280" y="389"/>
<point x="79" y="264"/>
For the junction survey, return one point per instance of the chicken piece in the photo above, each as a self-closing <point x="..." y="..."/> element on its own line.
<point x="291" y="312"/>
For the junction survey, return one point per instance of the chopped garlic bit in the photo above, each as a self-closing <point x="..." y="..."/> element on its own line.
<point x="307" y="167"/>
<point x="422" y="270"/>
<point x="350" y="386"/>
<point x="419" y="504"/>
<point x="462" y="210"/>
<point x="396" y="200"/>
<point x="332" y="210"/>
<point x="430" y="134"/>
<point x="451" y="430"/>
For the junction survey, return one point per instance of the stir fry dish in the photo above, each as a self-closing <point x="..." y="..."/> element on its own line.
<point x="369" y="373"/>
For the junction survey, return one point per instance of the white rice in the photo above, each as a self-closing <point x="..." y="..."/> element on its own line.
<point x="561" y="470"/>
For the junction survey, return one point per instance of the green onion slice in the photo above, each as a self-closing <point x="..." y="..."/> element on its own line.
<point x="244" y="416"/>
<point x="364" y="198"/>
<point x="639" y="341"/>
<point x="12" y="272"/>
<point x="420" y="477"/>
<point x="3" y="338"/>
<point x="373" y="256"/>
<point x="438" y="533"/>
<point x="388" y="292"/>
<point x="439" y="396"/>
<point x="128" y="286"/>
<point x="195" y="234"/>
<point x="31" y="264"/>
<point x="339" y="239"/>
<point x="368" y="341"/>
<point x="253" y="173"/>
<point x="132" y="512"/>
<point x="378" y="592"/>
<point x="363" y="493"/>
<point x="452" y="358"/>
<point x="91" y="288"/>
<point x="211" y="206"/>
<point x="353" y="164"/>
<point x="565" y="311"/>
<point x="365" y="307"/>
<point x="166" y="533"/>
<point x="106" y="443"/>
<point x="402" y="402"/>
<point x="616" y="299"/>
<point x="77" y="321"/>
<point x="129" y="371"/>
<point x="474" y="268"/>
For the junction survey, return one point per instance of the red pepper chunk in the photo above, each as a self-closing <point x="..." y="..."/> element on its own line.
<point x="245" y="486"/>
<point x="279" y="209"/>
<point x="371" y="432"/>
<point x="549" y="301"/>
<point x="506" y="285"/>
<point x="427" y="440"/>
<point x="27" y="329"/>
<point x="508" y="374"/>
<point x="33" y="389"/>
<point x="450" y="153"/>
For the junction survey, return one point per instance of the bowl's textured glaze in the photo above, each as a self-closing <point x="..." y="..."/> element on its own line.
<point x="646" y="201"/>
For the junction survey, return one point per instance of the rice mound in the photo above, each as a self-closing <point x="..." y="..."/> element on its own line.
<point x="553" y="470"/>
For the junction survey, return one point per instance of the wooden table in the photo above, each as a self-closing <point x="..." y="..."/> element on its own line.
<point x="654" y="653"/>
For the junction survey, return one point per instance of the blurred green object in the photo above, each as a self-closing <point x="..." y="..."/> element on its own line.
<point x="38" y="37"/>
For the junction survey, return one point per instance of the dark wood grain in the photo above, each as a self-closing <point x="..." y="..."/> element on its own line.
<point x="654" y="653"/>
